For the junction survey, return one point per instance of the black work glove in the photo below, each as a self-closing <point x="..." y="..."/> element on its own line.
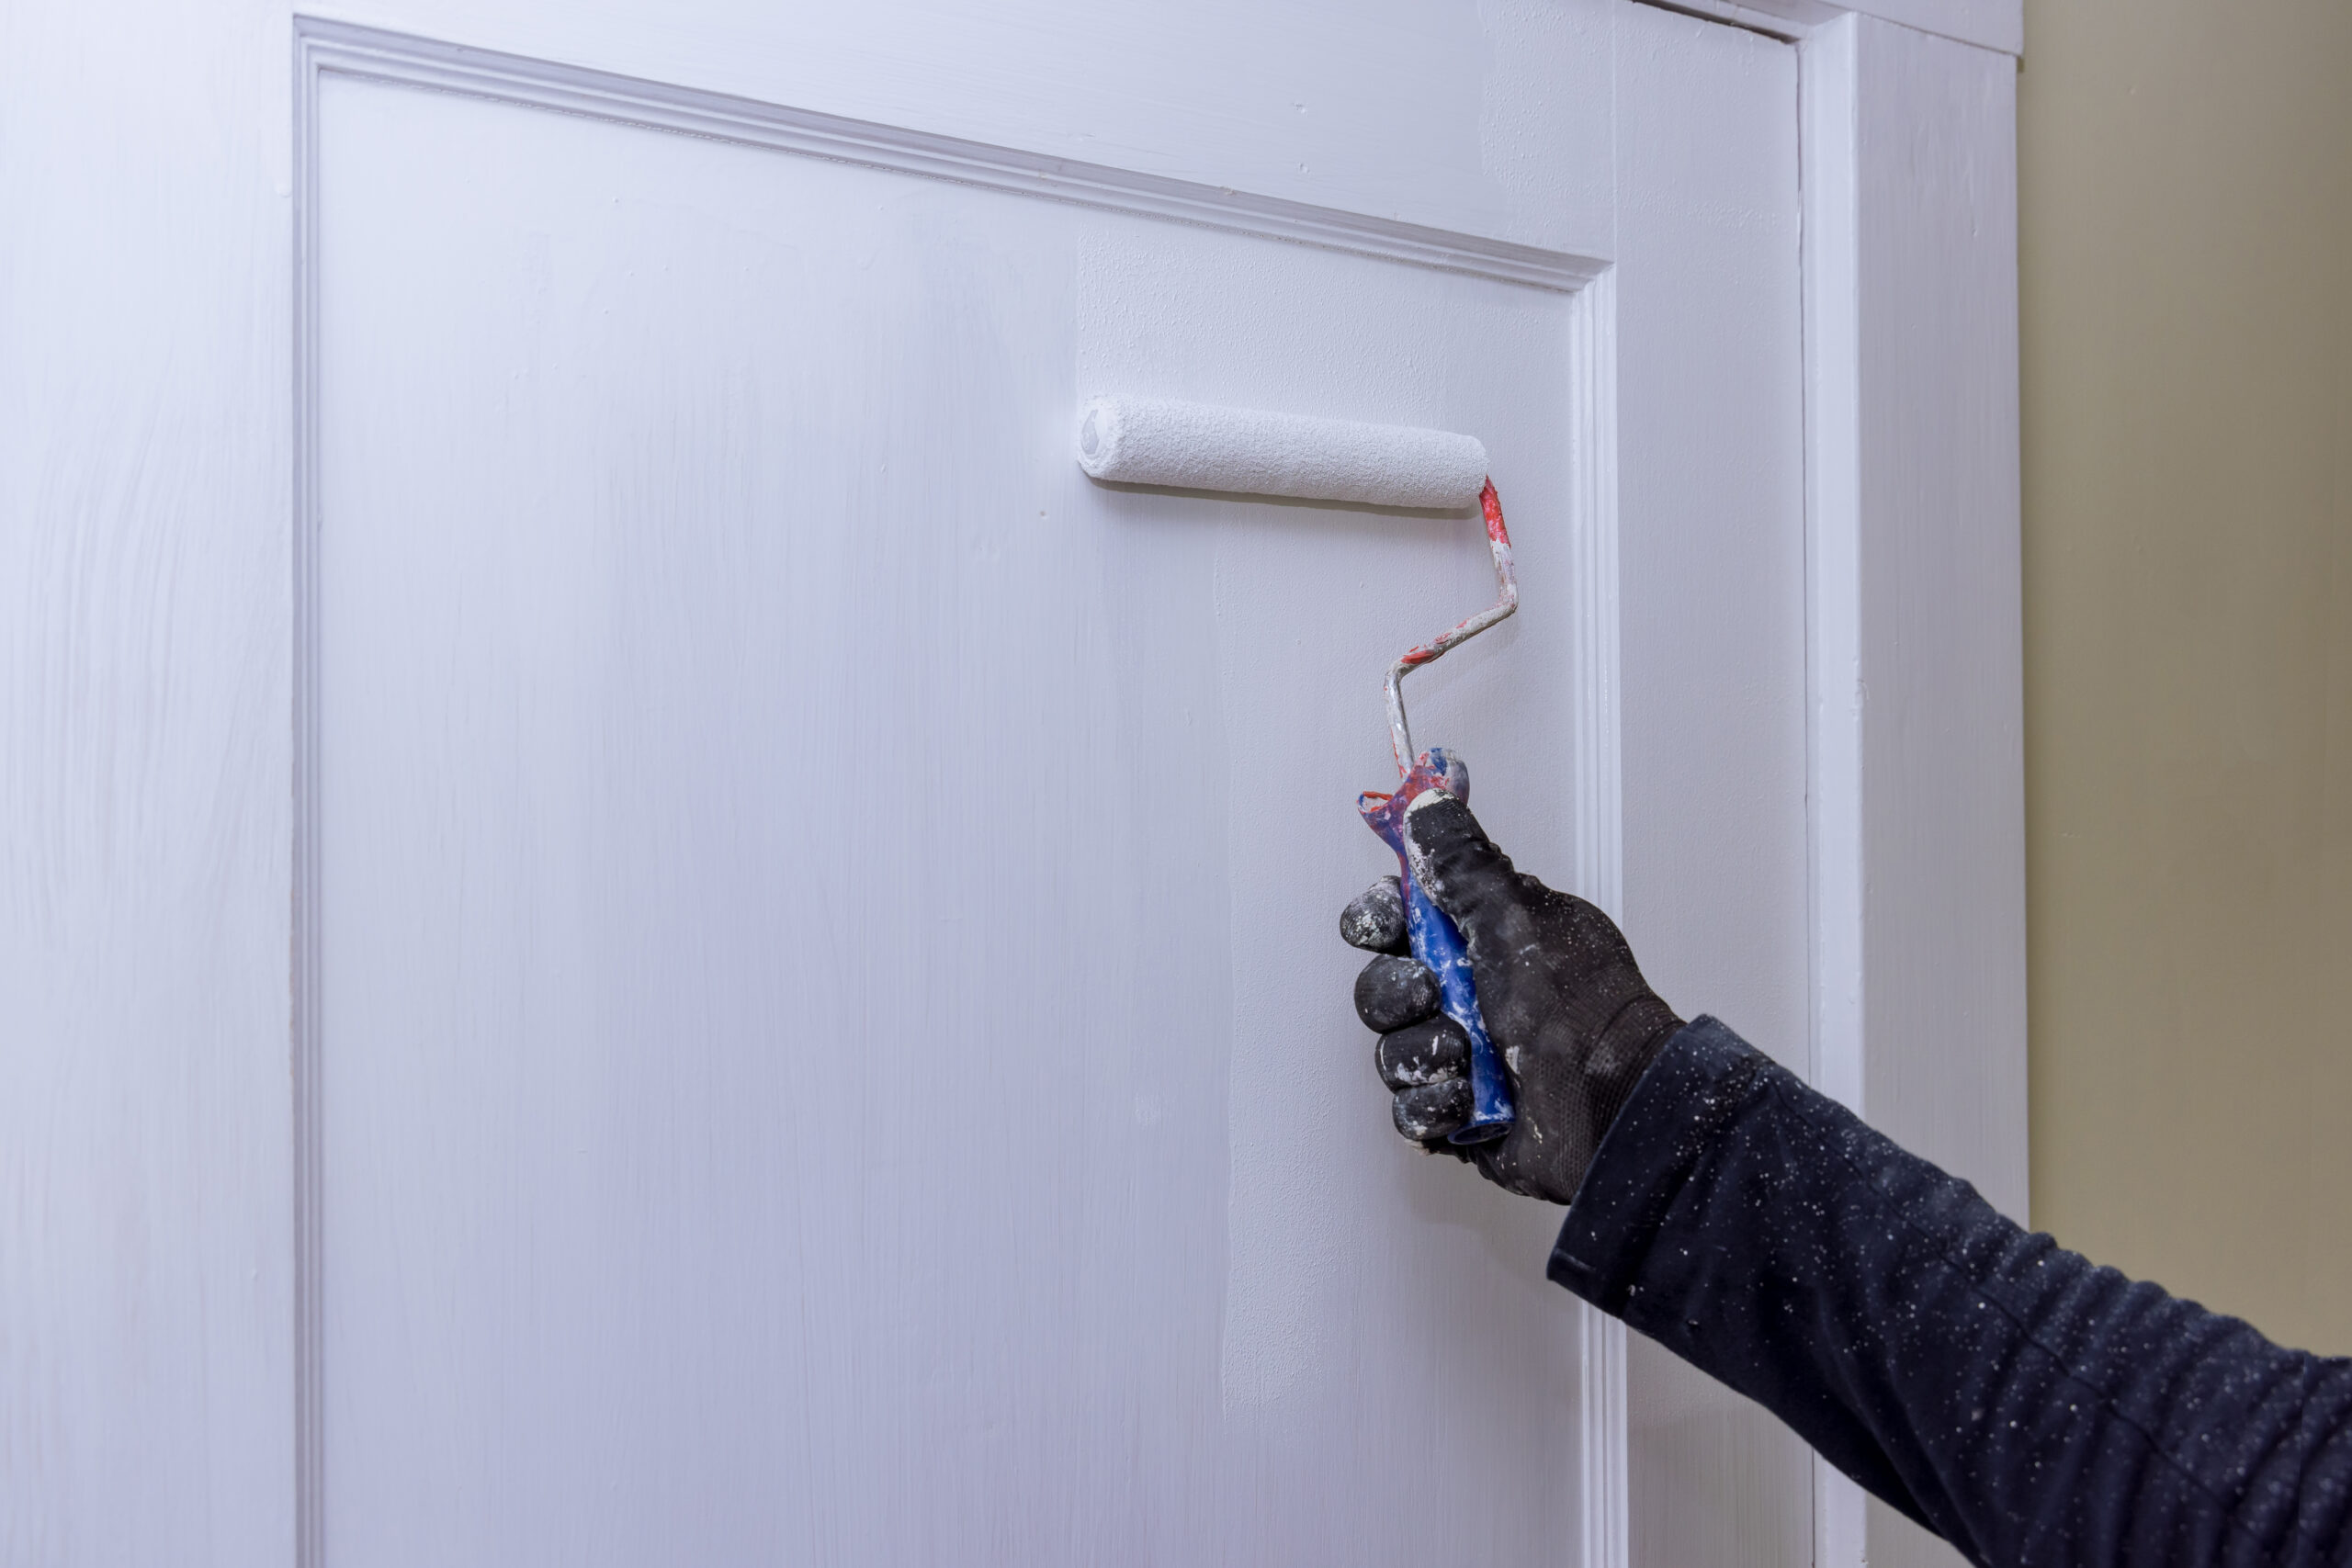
<point x="1564" y="1003"/>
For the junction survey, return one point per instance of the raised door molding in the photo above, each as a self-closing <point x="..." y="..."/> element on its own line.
<point x="326" y="47"/>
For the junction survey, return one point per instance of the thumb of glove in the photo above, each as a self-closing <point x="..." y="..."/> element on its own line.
<point x="1461" y="869"/>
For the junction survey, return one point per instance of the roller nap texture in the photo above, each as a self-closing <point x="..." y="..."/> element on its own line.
<point x="1156" y="441"/>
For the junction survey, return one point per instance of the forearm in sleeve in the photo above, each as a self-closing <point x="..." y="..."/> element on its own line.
<point x="2022" y="1403"/>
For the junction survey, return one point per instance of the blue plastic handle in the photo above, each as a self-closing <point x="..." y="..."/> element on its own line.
<point x="1438" y="945"/>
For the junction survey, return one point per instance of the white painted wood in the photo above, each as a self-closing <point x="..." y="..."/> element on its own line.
<point x="1943" y="810"/>
<point x="1489" y="120"/>
<point x="1918" y="788"/>
<point x="147" y="1361"/>
<point x="1829" y="85"/>
<point x="348" y="54"/>
<point x="1602" y="1444"/>
<point x="1997" y="25"/>
<point x="1942" y="760"/>
<point x="1711" y="541"/>
<point x="145" y="1162"/>
<point x="690" y="1132"/>
<point x="364" y="52"/>
<point x="1789" y="20"/>
<point x="1834" y="530"/>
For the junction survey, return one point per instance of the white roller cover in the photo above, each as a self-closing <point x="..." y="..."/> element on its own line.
<point x="1156" y="441"/>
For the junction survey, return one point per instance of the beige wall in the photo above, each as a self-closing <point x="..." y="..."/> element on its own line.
<point x="2185" y="190"/>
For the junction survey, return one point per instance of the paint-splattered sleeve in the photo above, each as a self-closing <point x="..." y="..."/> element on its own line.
<point x="2027" y="1405"/>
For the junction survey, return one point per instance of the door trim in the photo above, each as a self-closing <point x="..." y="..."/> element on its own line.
<point x="1915" y="789"/>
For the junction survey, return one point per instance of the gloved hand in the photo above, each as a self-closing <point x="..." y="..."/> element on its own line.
<point x="1563" y="999"/>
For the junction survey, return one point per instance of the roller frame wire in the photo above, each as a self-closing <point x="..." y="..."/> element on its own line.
<point x="1400" y="733"/>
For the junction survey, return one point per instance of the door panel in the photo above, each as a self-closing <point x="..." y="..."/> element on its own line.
<point x="832" y="1048"/>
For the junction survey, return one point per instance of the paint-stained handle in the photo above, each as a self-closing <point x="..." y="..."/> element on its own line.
<point x="1438" y="944"/>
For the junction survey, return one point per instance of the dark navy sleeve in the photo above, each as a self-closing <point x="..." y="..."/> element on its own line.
<point x="2025" y="1404"/>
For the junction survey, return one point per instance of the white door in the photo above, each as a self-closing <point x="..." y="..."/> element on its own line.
<point x="818" y="1031"/>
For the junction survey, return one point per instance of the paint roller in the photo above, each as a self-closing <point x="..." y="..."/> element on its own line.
<point x="1159" y="441"/>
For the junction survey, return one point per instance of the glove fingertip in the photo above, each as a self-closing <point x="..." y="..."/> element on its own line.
<point x="1431" y="1051"/>
<point x="1432" y="1112"/>
<point x="1374" y="920"/>
<point x="1392" y="992"/>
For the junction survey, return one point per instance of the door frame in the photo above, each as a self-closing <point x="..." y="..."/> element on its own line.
<point x="1915" y="689"/>
<point x="1915" y="788"/>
